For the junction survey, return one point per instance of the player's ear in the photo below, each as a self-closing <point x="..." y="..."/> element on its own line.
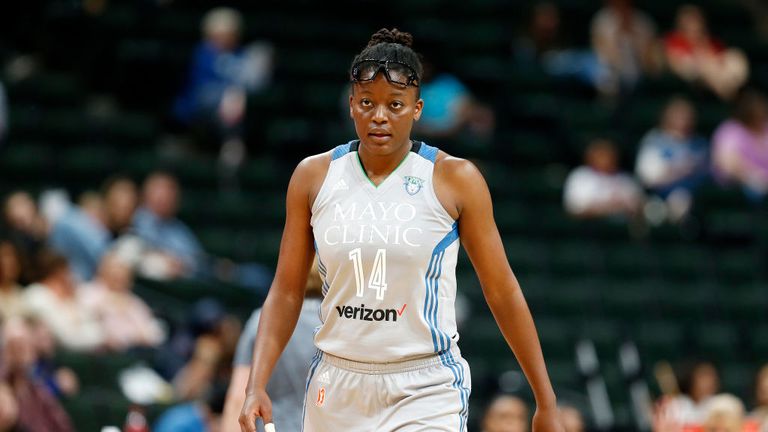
<point x="417" y="109"/>
<point x="351" y="101"/>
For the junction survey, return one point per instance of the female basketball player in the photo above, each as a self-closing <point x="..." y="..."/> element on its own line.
<point x="385" y="213"/>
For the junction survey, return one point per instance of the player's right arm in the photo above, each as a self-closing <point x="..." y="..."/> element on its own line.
<point x="282" y="307"/>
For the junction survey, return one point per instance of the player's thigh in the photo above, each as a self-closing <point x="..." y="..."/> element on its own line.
<point x="340" y="400"/>
<point x="433" y="399"/>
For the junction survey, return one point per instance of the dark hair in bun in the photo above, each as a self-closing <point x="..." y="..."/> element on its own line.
<point x="392" y="45"/>
<point x="394" y="36"/>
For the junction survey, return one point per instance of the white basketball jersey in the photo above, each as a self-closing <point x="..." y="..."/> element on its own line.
<point x="387" y="255"/>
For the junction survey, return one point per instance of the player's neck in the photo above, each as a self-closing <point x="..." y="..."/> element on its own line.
<point x="382" y="165"/>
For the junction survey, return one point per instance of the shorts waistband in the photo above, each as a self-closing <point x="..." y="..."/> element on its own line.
<point x="442" y="357"/>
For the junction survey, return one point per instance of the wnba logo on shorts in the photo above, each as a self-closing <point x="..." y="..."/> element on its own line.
<point x="320" y="397"/>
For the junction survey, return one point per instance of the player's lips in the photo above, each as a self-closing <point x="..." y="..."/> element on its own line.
<point x="379" y="135"/>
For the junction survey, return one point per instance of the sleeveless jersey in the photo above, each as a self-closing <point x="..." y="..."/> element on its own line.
<point x="387" y="255"/>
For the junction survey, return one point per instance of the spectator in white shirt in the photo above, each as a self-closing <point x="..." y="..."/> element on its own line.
<point x="598" y="188"/>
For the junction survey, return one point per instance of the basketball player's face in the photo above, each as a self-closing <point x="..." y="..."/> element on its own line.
<point x="384" y="114"/>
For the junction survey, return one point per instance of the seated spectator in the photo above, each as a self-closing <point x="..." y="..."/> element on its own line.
<point x="571" y="419"/>
<point x="55" y="301"/>
<point x="127" y="321"/>
<point x="60" y="381"/>
<point x="695" y="55"/>
<point x="724" y="413"/>
<point x="624" y="40"/>
<point x="506" y="414"/>
<point x="221" y="75"/>
<point x="201" y="416"/>
<point x="740" y="146"/>
<point x="544" y="44"/>
<point x="156" y="224"/>
<point x="11" y="301"/>
<point x="449" y="107"/>
<point x="172" y="250"/>
<point x="598" y="188"/>
<point x="542" y="35"/>
<point x="698" y="383"/>
<point x="672" y="161"/>
<point x="286" y="386"/>
<point x="120" y="199"/>
<point x="212" y="352"/>
<point x="27" y="230"/>
<point x="38" y="410"/>
<point x="81" y="235"/>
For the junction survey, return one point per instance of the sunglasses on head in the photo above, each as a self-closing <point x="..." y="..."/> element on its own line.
<point x="396" y="72"/>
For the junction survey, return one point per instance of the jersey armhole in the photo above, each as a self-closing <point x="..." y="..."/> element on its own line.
<point x="442" y="211"/>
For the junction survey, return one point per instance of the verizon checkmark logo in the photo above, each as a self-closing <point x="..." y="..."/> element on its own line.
<point x="363" y="313"/>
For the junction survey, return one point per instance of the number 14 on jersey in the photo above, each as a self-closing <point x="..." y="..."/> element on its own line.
<point x="378" y="278"/>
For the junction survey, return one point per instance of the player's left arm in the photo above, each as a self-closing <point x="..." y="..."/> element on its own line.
<point x="471" y="199"/>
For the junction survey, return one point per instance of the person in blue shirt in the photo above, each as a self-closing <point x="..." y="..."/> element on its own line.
<point x="672" y="161"/>
<point x="199" y="416"/>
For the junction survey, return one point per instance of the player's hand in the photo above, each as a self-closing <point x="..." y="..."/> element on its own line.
<point x="547" y="420"/>
<point x="257" y="404"/>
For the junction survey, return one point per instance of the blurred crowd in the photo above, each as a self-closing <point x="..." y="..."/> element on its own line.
<point x="67" y="273"/>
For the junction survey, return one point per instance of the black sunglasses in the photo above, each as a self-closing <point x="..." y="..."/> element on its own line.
<point x="396" y="72"/>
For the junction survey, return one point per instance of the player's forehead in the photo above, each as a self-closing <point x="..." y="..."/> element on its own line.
<point x="380" y="87"/>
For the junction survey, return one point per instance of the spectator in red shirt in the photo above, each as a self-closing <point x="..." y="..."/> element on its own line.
<point x="696" y="56"/>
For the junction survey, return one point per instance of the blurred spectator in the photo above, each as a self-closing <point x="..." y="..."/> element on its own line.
<point x="155" y="222"/>
<point x="121" y="197"/>
<point x="672" y="161"/>
<point x="624" y="40"/>
<point x="506" y="414"/>
<point x="27" y="230"/>
<point x="81" y="235"/>
<point x="11" y="301"/>
<point x="286" y="386"/>
<point x="760" y="413"/>
<point x="542" y="35"/>
<point x="38" y="410"/>
<point x="207" y="345"/>
<point x="60" y="381"/>
<point x="698" y="383"/>
<point x="172" y="249"/>
<point x="127" y="321"/>
<point x="56" y="302"/>
<point x="694" y="55"/>
<point x="220" y="77"/>
<point x="740" y="146"/>
<point x="724" y="413"/>
<point x="202" y="416"/>
<point x="449" y="107"/>
<point x="543" y="44"/>
<point x="598" y="188"/>
<point x="3" y="114"/>
<point x="571" y="419"/>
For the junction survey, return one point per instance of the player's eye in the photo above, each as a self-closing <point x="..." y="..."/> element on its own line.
<point x="366" y="102"/>
<point x="396" y="105"/>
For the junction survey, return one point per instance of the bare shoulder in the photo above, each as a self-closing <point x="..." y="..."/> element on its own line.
<point x="455" y="170"/>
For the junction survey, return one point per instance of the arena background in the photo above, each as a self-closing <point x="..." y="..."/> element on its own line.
<point x="90" y="88"/>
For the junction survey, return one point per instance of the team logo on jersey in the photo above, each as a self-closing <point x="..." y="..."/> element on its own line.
<point x="413" y="184"/>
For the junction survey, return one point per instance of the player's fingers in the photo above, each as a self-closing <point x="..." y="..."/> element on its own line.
<point x="266" y="414"/>
<point x="247" y="422"/>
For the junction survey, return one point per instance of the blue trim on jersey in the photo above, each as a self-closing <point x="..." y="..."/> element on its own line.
<point x="440" y="340"/>
<point x="313" y="366"/>
<point x="428" y="152"/>
<point x="323" y="272"/>
<point x="457" y="369"/>
<point x="340" y="150"/>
